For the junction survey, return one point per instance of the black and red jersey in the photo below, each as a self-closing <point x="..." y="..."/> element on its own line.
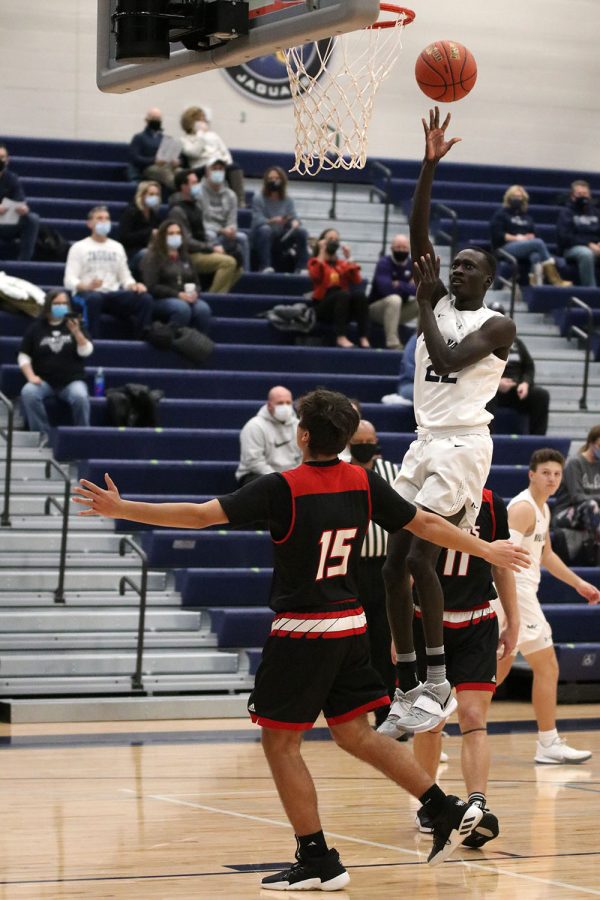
<point x="318" y="515"/>
<point x="467" y="580"/>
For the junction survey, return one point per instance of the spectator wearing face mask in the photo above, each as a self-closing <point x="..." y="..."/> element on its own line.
<point x="219" y="211"/>
<point x="279" y="242"/>
<point x="98" y="276"/>
<point x="392" y="297"/>
<point x="366" y="452"/>
<point x="338" y="295"/>
<point x="51" y="358"/>
<point x="140" y="221"/>
<point x="513" y="230"/>
<point x="578" y="497"/>
<point x="201" y="145"/>
<point x="144" y="161"/>
<point x="268" y="440"/>
<point x="578" y="232"/>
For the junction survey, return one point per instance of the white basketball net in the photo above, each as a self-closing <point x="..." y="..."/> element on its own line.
<point x="334" y="104"/>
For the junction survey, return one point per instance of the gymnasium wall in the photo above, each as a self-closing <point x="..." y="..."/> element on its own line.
<point x="536" y="102"/>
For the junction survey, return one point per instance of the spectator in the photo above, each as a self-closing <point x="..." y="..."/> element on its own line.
<point x="51" y="359"/>
<point x="268" y="440"/>
<point x="16" y="219"/>
<point x="392" y="298"/>
<point x="140" y="221"/>
<point x="278" y="240"/>
<point x="171" y="279"/>
<point x="143" y="150"/>
<point x="206" y="257"/>
<point x="517" y="389"/>
<point x="337" y="289"/>
<point x="201" y="145"/>
<point x="98" y="275"/>
<point x="578" y="232"/>
<point x="220" y="212"/>
<point x="578" y="498"/>
<point x="513" y="230"/>
<point x="406" y="381"/>
<point x="366" y="452"/>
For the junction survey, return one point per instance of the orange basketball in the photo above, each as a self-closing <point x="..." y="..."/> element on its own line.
<point x="446" y="71"/>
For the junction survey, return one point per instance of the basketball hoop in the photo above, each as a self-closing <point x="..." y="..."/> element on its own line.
<point x="333" y="105"/>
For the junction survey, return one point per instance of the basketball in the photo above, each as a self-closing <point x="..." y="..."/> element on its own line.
<point x="446" y="71"/>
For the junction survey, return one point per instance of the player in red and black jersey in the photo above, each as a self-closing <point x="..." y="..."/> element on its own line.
<point x="473" y="645"/>
<point x="316" y="657"/>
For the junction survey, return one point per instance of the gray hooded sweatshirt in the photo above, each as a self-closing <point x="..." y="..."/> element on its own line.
<point x="267" y="445"/>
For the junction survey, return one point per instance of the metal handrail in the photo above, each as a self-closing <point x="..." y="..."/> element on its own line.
<point x="512" y="283"/>
<point x="587" y="337"/>
<point x="386" y="194"/>
<point x="453" y="237"/>
<point x="5" y="518"/>
<point x="59" y="593"/>
<point x="141" y="590"/>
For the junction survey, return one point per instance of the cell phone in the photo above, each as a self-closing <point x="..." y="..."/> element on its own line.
<point x="73" y="315"/>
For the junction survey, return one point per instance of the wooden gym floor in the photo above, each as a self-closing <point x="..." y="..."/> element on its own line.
<point x="157" y="810"/>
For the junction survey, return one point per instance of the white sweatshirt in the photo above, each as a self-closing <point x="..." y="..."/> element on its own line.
<point x="88" y="259"/>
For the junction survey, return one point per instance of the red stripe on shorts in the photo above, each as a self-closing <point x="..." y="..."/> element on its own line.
<point x="476" y="686"/>
<point x="272" y="723"/>
<point x="354" y="713"/>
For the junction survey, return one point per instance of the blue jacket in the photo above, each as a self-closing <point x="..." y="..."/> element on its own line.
<point x="508" y="221"/>
<point x="10" y="187"/>
<point x="388" y="271"/>
<point x="407" y="364"/>
<point x="143" y="149"/>
<point x="575" y="227"/>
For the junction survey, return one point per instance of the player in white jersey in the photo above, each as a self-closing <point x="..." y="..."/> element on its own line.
<point x="529" y="522"/>
<point x="460" y="357"/>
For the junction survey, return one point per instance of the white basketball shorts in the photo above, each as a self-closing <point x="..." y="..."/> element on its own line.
<point x="535" y="632"/>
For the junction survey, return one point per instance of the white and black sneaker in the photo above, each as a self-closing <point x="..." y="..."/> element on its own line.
<point x="450" y="828"/>
<point x="321" y="873"/>
<point x="401" y="706"/>
<point x="423" y="822"/>
<point x="559" y="753"/>
<point x="433" y="705"/>
<point x="487" y="830"/>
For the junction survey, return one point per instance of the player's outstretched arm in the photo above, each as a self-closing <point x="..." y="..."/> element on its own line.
<point x="436" y="147"/>
<point x="100" y="502"/>
<point x="436" y="530"/>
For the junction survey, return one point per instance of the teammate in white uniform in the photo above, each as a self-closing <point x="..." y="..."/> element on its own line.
<point x="529" y="521"/>
<point x="460" y="357"/>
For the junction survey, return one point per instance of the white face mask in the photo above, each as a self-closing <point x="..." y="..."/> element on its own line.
<point x="200" y="127"/>
<point x="102" y="229"/>
<point x="152" y="200"/>
<point x="217" y="176"/>
<point x="283" y="412"/>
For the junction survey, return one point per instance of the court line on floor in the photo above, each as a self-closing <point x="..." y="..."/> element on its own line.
<point x="365" y="842"/>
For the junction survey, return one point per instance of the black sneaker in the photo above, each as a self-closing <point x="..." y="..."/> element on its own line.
<point x="455" y="823"/>
<point x="423" y="822"/>
<point x="322" y="873"/>
<point x="487" y="830"/>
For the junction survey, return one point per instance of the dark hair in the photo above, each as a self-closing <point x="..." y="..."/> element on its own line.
<point x="489" y="258"/>
<point x="330" y="420"/>
<point x="282" y="191"/>
<point x="158" y="244"/>
<point x="50" y="297"/>
<point x="181" y="177"/>
<point x="592" y="436"/>
<point x="544" y="455"/>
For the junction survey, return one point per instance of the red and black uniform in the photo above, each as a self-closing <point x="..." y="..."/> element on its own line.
<point x="317" y="655"/>
<point x="470" y="623"/>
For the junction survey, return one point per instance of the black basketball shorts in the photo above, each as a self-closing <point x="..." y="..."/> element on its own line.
<point x="298" y="677"/>
<point x="470" y="647"/>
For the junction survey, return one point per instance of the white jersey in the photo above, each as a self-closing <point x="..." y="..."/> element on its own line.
<point x="457" y="400"/>
<point x="534" y="542"/>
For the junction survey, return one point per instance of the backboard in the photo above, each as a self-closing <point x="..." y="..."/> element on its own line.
<point x="273" y="24"/>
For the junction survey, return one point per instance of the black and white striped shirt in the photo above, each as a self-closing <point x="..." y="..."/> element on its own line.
<point x="375" y="542"/>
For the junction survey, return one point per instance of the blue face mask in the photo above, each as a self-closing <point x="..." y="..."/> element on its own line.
<point x="174" y="241"/>
<point x="152" y="200"/>
<point x="217" y="176"/>
<point x="59" y="310"/>
<point x="596" y="452"/>
<point x="102" y="229"/>
<point x="195" y="190"/>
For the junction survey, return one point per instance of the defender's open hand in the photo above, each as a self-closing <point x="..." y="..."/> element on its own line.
<point x="436" y="145"/>
<point x="98" y="502"/>
<point x="508" y="556"/>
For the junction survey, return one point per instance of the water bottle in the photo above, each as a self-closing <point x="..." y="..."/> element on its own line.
<point x="99" y="383"/>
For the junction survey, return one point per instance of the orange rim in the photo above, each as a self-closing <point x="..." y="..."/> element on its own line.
<point x="399" y="11"/>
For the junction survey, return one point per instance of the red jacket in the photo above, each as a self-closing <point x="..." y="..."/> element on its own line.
<point x="337" y="274"/>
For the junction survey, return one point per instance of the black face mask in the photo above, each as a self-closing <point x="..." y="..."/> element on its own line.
<point x="154" y="124"/>
<point x="2" y="165"/>
<point x="400" y="256"/>
<point x="332" y="247"/>
<point x="581" y="203"/>
<point x="364" y="453"/>
<point x="273" y="185"/>
<point x="516" y="205"/>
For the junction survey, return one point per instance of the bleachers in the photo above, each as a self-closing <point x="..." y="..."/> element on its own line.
<point x="194" y="453"/>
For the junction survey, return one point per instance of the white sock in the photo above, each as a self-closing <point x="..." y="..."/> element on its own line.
<point x="547" y="737"/>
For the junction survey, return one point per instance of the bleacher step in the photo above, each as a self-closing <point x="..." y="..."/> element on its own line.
<point x="19" y="623"/>
<point x="108" y="640"/>
<point x="108" y="600"/>
<point x="24" y="663"/>
<point x="15" y="541"/>
<point x="15" y="580"/>
<point x="41" y="560"/>
<point x="121" y="684"/>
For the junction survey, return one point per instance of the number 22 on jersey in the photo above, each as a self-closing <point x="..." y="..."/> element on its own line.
<point x="335" y="545"/>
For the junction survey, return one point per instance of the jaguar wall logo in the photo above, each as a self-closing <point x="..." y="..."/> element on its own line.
<point x="265" y="78"/>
